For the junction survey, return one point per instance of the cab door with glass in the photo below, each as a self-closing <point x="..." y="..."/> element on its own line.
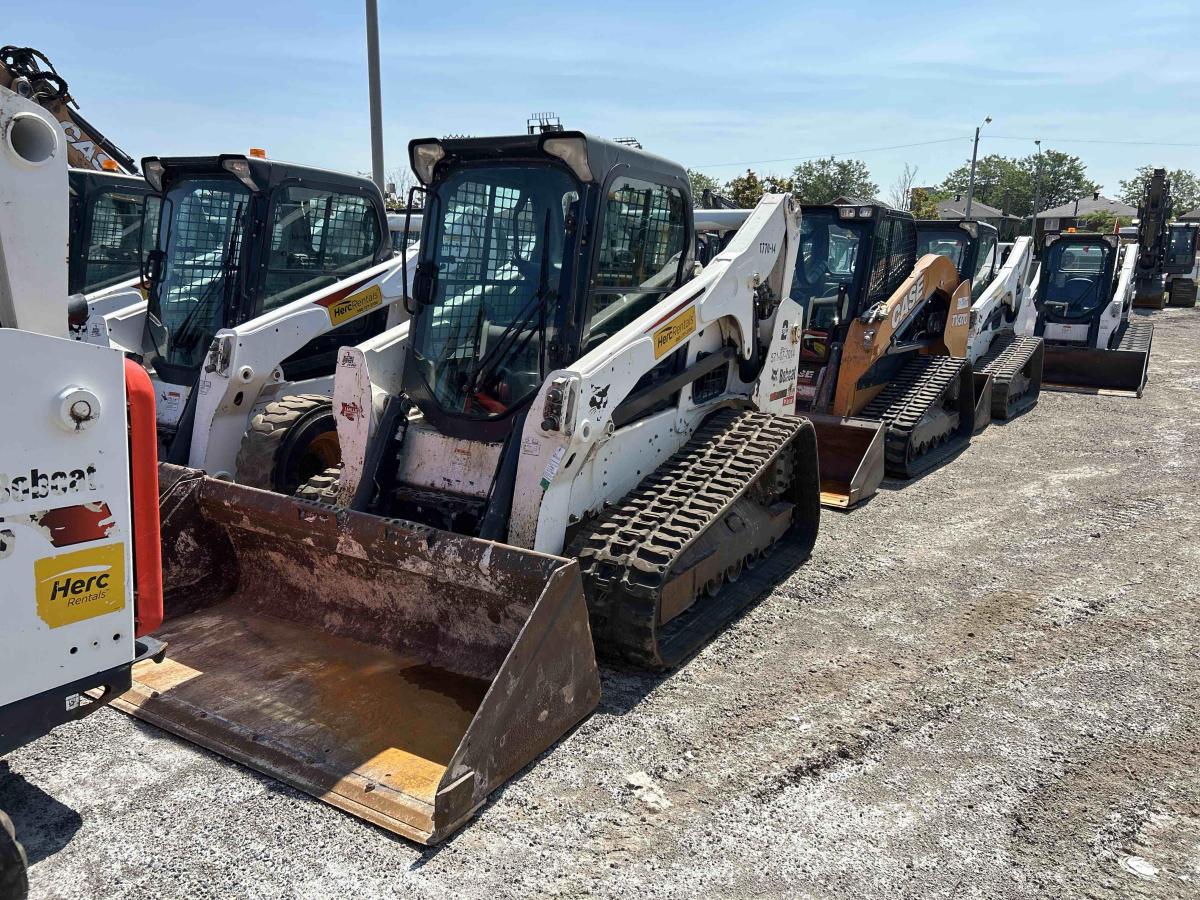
<point x="318" y="236"/>
<point x="639" y="261"/>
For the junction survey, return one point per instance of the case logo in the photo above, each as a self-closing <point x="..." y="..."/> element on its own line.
<point x="80" y="585"/>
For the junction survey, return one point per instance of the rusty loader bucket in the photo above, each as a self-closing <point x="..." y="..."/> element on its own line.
<point x="397" y="672"/>
<point x="1121" y="372"/>
<point x="850" y="454"/>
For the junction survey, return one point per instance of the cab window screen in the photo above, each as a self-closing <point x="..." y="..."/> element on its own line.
<point x="642" y="244"/>
<point x="983" y="265"/>
<point x="317" y="237"/>
<point x="114" y="245"/>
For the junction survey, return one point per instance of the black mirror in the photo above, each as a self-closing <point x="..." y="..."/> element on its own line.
<point x="424" y="281"/>
<point x="152" y="265"/>
<point x="843" y="304"/>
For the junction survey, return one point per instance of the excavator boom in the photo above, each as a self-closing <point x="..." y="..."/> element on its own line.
<point x="28" y="72"/>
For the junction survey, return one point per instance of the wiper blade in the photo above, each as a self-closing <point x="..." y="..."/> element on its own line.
<point x="506" y="343"/>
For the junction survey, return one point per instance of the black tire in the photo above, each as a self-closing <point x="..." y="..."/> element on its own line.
<point x="322" y="488"/>
<point x="14" y="867"/>
<point x="287" y="443"/>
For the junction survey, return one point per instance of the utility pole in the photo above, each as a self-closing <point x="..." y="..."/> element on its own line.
<point x="974" y="157"/>
<point x="1037" y="192"/>
<point x="376" y="101"/>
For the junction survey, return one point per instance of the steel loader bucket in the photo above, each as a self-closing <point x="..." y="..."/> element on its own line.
<point x="1121" y="372"/>
<point x="983" y="384"/>
<point x="850" y="455"/>
<point x="397" y="672"/>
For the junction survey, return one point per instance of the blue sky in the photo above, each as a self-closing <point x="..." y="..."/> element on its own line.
<point x="716" y="86"/>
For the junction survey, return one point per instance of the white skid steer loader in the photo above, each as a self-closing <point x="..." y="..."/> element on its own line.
<point x="575" y="426"/>
<point x="260" y="271"/>
<point x="1007" y="363"/>
<point x="80" y="584"/>
<point x="1084" y="297"/>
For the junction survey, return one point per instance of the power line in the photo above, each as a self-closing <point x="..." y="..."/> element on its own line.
<point x="763" y="162"/>
<point x="1047" y="140"/>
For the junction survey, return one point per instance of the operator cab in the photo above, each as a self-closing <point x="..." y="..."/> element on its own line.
<point x="239" y="236"/>
<point x="971" y="246"/>
<point x="851" y="257"/>
<point x="1183" y="240"/>
<point x="107" y="211"/>
<point x="535" y="249"/>
<point x="1076" y="277"/>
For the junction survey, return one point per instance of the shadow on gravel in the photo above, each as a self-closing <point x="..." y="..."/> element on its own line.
<point x="44" y="825"/>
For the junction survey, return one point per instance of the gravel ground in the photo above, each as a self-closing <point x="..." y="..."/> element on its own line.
<point x="984" y="684"/>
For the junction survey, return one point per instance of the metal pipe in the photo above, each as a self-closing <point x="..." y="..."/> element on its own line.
<point x="376" y="99"/>
<point x="971" y="180"/>
<point x="1037" y="192"/>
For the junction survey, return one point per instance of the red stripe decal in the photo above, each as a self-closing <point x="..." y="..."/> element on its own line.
<point x="342" y="293"/>
<point x="675" y="310"/>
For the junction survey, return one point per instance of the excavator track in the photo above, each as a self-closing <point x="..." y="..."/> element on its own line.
<point x="929" y="412"/>
<point x="718" y="524"/>
<point x="1015" y="364"/>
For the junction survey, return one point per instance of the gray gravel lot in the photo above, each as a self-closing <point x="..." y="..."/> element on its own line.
<point x="985" y="683"/>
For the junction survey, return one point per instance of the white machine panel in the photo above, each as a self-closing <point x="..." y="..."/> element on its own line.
<point x="66" y="567"/>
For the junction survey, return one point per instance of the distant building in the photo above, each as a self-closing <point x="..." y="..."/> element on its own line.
<point x="1193" y="216"/>
<point x="1060" y="218"/>
<point x="980" y="212"/>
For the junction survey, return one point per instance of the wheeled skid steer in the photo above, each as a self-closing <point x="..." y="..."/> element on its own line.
<point x="1007" y="365"/>
<point x="581" y="441"/>
<point x="257" y="271"/>
<point x="1084" y="298"/>
<point x="883" y="371"/>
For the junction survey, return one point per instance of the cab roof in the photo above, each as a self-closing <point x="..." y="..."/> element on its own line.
<point x="603" y="156"/>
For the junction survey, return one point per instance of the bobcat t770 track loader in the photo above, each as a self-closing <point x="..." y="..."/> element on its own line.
<point x="1084" y="296"/>
<point x="576" y="425"/>
<point x="1007" y="364"/>
<point x="79" y="539"/>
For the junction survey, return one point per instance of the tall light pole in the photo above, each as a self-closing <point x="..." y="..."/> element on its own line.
<point x="376" y="101"/>
<point x="1037" y="191"/>
<point x="974" y="156"/>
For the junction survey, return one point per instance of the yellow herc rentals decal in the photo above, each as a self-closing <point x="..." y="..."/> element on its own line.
<point x="75" y="586"/>
<point x="355" y="304"/>
<point x="674" y="332"/>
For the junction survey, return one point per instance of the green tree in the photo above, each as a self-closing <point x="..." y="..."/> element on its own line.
<point x="1063" y="179"/>
<point x="1103" y="221"/>
<point x="824" y="180"/>
<point x="923" y="202"/>
<point x="999" y="181"/>
<point x="774" y="184"/>
<point x="745" y="190"/>
<point x="1185" y="188"/>
<point x="1009" y="184"/>
<point x="701" y="183"/>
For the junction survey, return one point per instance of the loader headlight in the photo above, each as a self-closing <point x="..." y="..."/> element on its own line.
<point x="153" y="170"/>
<point x="846" y="212"/>
<point x="864" y="212"/>
<point x="240" y="168"/>
<point x="572" y="151"/>
<point x="424" y="157"/>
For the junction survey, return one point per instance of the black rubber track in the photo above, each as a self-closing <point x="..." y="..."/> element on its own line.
<point x="1015" y="364"/>
<point x="628" y="554"/>
<point x="923" y="384"/>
